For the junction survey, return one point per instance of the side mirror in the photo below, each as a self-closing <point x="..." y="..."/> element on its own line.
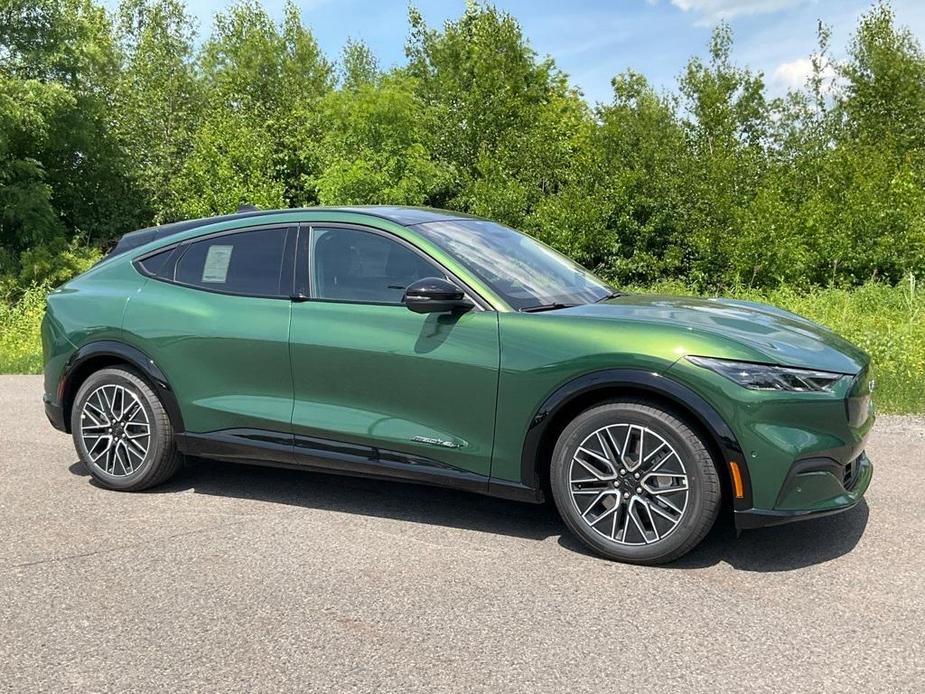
<point x="435" y="295"/>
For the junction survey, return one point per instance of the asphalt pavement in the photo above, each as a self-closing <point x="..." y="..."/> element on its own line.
<point x="237" y="578"/>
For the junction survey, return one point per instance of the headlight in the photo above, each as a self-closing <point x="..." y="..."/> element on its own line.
<point x="770" y="377"/>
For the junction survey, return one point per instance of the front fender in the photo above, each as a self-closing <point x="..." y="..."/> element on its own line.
<point x="546" y="423"/>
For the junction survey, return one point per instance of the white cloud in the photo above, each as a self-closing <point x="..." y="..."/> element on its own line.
<point x="793" y="74"/>
<point x="715" y="10"/>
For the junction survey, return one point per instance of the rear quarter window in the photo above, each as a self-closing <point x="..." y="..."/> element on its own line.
<point x="157" y="265"/>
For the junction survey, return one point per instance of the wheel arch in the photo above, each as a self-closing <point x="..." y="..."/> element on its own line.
<point x="577" y="395"/>
<point x="101" y="354"/>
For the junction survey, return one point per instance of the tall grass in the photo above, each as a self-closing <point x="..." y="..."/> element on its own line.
<point x="20" y="340"/>
<point x="888" y="322"/>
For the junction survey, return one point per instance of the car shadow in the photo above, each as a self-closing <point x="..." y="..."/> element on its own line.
<point x="781" y="548"/>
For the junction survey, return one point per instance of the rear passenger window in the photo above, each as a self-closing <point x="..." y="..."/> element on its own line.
<point x="249" y="263"/>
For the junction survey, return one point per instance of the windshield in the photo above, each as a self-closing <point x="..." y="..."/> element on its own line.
<point x="524" y="272"/>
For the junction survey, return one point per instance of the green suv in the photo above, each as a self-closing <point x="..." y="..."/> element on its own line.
<point x="435" y="347"/>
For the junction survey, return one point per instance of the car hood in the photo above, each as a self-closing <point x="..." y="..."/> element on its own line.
<point x="778" y="336"/>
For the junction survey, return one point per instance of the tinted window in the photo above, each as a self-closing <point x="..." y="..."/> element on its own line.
<point x="157" y="264"/>
<point x="351" y="265"/>
<point x="523" y="271"/>
<point x="245" y="263"/>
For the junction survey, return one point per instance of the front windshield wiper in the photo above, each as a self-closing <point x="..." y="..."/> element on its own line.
<point x="612" y="295"/>
<point x="544" y="307"/>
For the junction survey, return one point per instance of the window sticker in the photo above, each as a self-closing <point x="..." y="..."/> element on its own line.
<point x="215" y="270"/>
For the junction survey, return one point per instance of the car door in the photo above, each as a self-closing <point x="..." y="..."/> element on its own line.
<point x="215" y="319"/>
<point x="378" y="388"/>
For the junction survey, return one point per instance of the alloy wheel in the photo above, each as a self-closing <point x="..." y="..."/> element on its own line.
<point x="115" y="430"/>
<point x="628" y="484"/>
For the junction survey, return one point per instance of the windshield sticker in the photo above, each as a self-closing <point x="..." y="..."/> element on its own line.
<point x="216" y="267"/>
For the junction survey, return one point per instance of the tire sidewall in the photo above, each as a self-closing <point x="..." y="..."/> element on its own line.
<point x="136" y="385"/>
<point x="666" y="426"/>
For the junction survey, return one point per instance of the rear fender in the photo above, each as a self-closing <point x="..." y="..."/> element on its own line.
<point x="100" y="354"/>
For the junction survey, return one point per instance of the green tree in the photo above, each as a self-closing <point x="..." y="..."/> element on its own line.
<point x="727" y="127"/>
<point x="629" y="188"/>
<point x="373" y="150"/>
<point x="230" y="162"/>
<point x="27" y="215"/>
<point x="109" y="123"/>
<point x="501" y="119"/>
<point x="63" y="172"/>
<point x="884" y="100"/>
<point x="158" y="99"/>
<point x="268" y="81"/>
<point x="358" y="66"/>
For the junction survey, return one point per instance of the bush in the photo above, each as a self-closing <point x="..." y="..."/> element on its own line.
<point x="55" y="262"/>
<point x="20" y="340"/>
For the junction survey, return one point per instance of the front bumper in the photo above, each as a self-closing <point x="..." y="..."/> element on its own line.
<point x="814" y="488"/>
<point x="803" y="453"/>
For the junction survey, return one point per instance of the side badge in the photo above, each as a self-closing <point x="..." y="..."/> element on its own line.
<point x="435" y="442"/>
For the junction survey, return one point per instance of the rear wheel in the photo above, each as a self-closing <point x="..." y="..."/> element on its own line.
<point x="121" y="431"/>
<point x="634" y="482"/>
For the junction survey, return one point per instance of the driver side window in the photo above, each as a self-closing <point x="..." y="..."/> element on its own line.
<point x="362" y="267"/>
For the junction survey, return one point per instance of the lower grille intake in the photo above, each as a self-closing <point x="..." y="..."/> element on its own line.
<point x="850" y="474"/>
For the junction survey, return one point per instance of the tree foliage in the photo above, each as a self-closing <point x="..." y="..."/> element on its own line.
<point x="158" y="98"/>
<point x="114" y="120"/>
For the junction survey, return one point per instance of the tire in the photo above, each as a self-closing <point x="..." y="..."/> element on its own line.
<point x="621" y="472"/>
<point x="116" y="451"/>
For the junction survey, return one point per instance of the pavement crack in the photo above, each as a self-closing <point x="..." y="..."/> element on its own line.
<point x="119" y="548"/>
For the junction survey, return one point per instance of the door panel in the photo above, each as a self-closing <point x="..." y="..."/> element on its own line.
<point x="225" y="354"/>
<point x="384" y="377"/>
<point x="226" y="357"/>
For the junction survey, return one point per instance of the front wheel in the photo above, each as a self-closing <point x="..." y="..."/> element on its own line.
<point x="121" y="431"/>
<point x="634" y="482"/>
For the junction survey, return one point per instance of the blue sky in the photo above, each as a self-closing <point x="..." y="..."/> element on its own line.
<point x="592" y="40"/>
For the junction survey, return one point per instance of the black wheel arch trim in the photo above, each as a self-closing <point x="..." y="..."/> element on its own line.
<point x="640" y="381"/>
<point x="123" y="352"/>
